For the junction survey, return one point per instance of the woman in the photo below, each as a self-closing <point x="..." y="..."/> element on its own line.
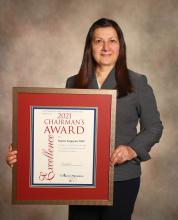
<point x="104" y="66"/>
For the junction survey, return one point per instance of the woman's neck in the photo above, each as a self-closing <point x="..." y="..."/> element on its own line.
<point x="103" y="71"/>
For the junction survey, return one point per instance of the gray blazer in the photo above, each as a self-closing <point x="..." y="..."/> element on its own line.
<point x="139" y="106"/>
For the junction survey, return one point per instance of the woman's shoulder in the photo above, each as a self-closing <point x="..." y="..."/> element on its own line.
<point x="70" y="82"/>
<point x="137" y="79"/>
<point x="135" y="75"/>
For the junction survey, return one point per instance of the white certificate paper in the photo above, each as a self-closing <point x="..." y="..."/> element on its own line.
<point x="63" y="151"/>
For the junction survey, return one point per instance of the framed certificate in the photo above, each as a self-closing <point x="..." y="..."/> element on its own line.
<point x="64" y="139"/>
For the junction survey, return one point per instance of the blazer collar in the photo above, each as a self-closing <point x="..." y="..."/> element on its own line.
<point x="109" y="83"/>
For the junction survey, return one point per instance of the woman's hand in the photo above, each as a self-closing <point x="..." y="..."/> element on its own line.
<point x="11" y="157"/>
<point x="121" y="154"/>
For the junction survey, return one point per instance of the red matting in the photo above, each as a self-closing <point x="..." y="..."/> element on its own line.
<point x="23" y="192"/>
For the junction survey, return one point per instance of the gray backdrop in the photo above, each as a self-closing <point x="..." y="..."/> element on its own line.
<point x="41" y="44"/>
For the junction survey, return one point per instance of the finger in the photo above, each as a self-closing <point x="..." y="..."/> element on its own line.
<point x="114" y="157"/>
<point x="113" y="162"/>
<point x="116" y="160"/>
<point x="119" y="159"/>
<point x="119" y="155"/>
<point x="14" y="152"/>
<point x="11" y="157"/>
<point x="12" y="162"/>
<point x="115" y="153"/>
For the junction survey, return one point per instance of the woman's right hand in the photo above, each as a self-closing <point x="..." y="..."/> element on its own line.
<point x="11" y="157"/>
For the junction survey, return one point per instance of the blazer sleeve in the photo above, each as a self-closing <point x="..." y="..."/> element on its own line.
<point x="150" y="124"/>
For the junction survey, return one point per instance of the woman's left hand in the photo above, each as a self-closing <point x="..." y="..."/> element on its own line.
<point x="121" y="154"/>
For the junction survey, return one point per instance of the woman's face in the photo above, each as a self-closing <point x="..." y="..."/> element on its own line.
<point x="105" y="46"/>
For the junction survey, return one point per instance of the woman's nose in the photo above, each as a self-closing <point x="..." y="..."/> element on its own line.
<point x="105" y="46"/>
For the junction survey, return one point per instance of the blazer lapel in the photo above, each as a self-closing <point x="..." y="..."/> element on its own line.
<point x="93" y="84"/>
<point x="109" y="83"/>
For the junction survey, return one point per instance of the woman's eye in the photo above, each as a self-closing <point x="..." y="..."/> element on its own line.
<point x="98" y="41"/>
<point x="113" y="41"/>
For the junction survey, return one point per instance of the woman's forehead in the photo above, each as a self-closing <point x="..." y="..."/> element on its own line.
<point x="102" y="32"/>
